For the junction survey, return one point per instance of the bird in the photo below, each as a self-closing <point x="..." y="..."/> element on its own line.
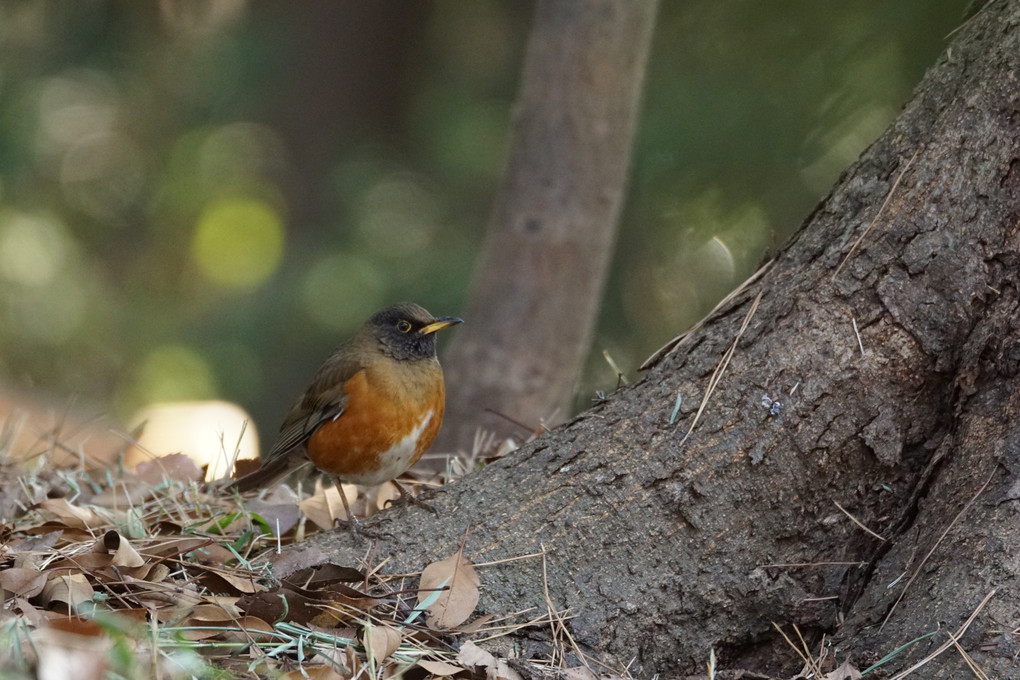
<point x="372" y="409"/>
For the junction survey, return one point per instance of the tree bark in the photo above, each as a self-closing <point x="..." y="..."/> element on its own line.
<point x="539" y="278"/>
<point x="874" y="365"/>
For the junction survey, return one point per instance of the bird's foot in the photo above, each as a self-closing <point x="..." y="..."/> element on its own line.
<point x="358" y="529"/>
<point x="406" y="498"/>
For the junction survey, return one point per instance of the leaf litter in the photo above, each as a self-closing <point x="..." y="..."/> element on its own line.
<point x="150" y="573"/>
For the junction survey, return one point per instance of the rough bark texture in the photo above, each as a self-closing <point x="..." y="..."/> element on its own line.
<point x="539" y="280"/>
<point x="661" y="548"/>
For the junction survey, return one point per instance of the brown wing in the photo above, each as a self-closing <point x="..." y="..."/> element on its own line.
<point x="322" y="401"/>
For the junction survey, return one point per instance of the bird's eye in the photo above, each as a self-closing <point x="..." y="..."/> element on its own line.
<point x="404" y="326"/>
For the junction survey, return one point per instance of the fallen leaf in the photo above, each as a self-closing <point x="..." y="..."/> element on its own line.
<point x="23" y="582"/>
<point x="301" y="557"/>
<point x="125" y="493"/>
<point x="176" y="466"/>
<point x="70" y="589"/>
<point x="579" y="673"/>
<point x="440" y="668"/>
<point x="73" y="516"/>
<point x="381" y="641"/>
<point x="281" y="517"/>
<point x="473" y="656"/>
<point x="124" y="555"/>
<point x="844" y="672"/>
<point x="322" y="672"/>
<point x="325" y="506"/>
<point x="280" y="604"/>
<point x="457" y="602"/>
<point x="385" y="493"/>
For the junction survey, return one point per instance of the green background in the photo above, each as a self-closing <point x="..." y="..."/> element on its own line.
<point x="197" y="200"/>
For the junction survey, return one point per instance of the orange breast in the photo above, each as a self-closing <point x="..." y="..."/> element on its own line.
<point x="383" y="430"/>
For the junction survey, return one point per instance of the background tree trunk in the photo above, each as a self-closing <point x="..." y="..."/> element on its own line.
<point x="539" y="278"/>
<point x="886" y="338"/>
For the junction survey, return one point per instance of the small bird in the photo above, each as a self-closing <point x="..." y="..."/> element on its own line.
<point x="373" y="407"/>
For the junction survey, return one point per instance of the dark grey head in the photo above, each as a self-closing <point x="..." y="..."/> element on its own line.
<point x="407" y="331"/>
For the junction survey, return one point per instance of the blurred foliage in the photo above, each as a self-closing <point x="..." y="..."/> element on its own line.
<point x="197" y="199"/>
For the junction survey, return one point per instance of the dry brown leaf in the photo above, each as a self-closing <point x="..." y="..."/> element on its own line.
<point x="23" y="582"/>
<point x="298" y="558"/>
<point x="844" y="672"/>
<point x="126" y="493"/>
<point x="73" y="516"/>
<point x="381" y="640"/>
<point x="124" y="555"/>
<point x="211" y="613"/>
<point x="281" y="517"/>
<point x="457" y="602"/>
<point x="69" y="589"/>
<point x="324" y="507"/>
<point x="322" y="672"/>
<point x="385" y="493"/>
<point x="176" y="466"/>
<point x="579" y="673"/>
<point x="220" y="580"/>
<point x="249" y="628"/>
<point x="440" y="668"/>
<point x="280" y="604"/>
<point x="473" y="656"/>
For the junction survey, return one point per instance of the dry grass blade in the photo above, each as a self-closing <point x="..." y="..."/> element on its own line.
<point x="668" y="348"/>
<point x="720" y="368"/>
<point x="881" y="210"/>
<point x="953" y="638"/>
<point x="804" y="654"/>
<point x="857" y="521"/>
<point x="917" y="570"/>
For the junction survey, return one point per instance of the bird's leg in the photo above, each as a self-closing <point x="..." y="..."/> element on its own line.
<point x="406" y="498"/>
<point x="352" y="522"/>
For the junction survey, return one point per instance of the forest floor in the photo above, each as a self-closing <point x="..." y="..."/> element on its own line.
<point x="154" y="573"/>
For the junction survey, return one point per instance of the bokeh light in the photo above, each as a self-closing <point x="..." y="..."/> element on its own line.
<point x="238" y="242"/>
<point x="173" y="373"/>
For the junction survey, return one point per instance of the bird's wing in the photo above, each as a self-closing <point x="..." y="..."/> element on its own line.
<point x="323" y="401"/>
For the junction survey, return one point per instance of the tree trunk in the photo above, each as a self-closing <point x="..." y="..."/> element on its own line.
<point x="874" y="365"/>
<point x="539" y="279"/>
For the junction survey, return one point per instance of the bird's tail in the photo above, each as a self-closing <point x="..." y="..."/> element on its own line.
<point x="273" y="470"/>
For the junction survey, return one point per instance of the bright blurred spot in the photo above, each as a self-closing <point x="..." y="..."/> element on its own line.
<point x="714" y="258"/>
<point x="341" y="290"/>
<point x="212" y="433"/>
<point x="174" y="373"/>
<point x="32" y="248"/>
<point x="238" y="242"/>
<point x="76" y="104"/>
<point x="399" y="217"/>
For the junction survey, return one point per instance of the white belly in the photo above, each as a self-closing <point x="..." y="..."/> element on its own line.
<point x="394" y="462"/>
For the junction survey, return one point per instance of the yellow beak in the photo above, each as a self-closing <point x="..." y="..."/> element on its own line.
<point x="440" y="323"/>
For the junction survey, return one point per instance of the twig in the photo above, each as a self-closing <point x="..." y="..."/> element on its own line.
<point x="937" y="544"/>
<point x="721" y="366"/>
<point x="858" y="334"/>
<point x="953" y="637"/>
<point x="857" y="522"/>
<point x="668" y="348"/>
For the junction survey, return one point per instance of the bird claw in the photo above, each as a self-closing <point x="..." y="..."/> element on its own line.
<point x="360" y="530"/>
<point x="406" y="498"/>
<point x="404" y="501"/>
